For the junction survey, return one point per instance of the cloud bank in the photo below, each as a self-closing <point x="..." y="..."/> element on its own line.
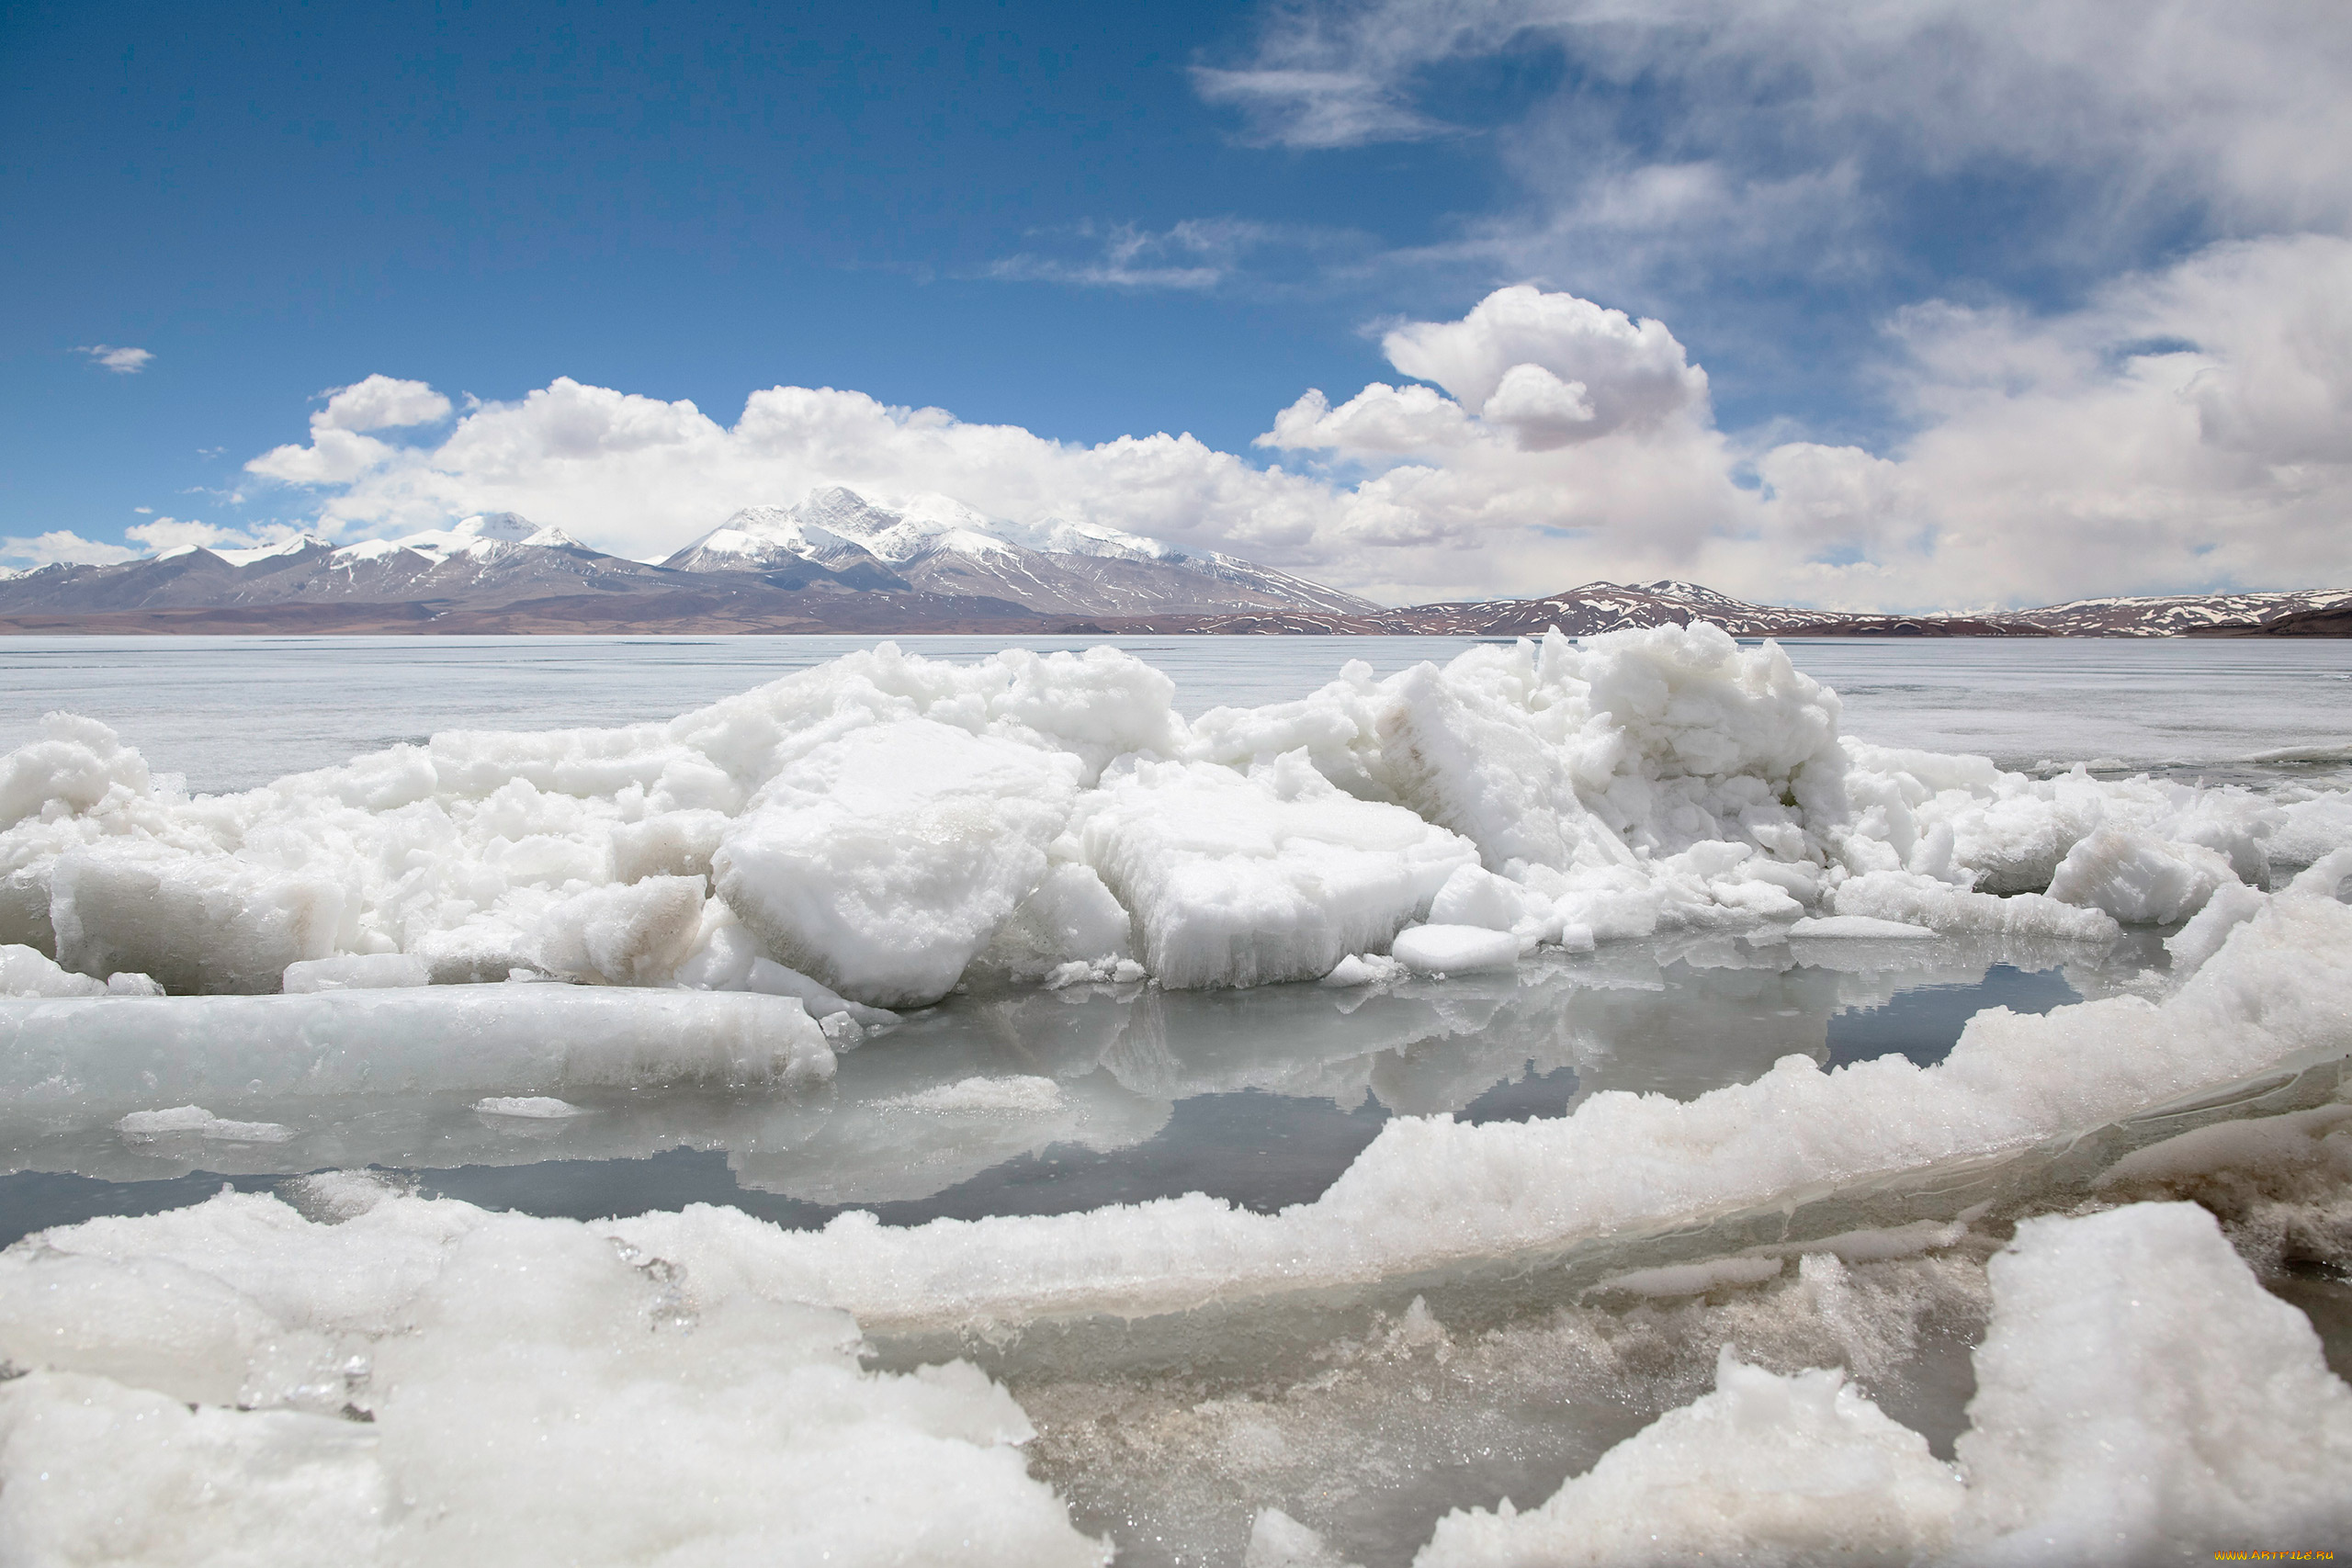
<point x="1695" y="134"/>
<point x="2185" y="430"/>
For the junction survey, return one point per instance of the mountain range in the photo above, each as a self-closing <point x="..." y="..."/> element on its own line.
<point x="837" y="561"/>
<point x="833" y="563"/>
<point x="1608" y="606"/>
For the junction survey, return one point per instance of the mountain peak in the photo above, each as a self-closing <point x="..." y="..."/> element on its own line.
<point x="511" y="527"/>
<point x="936" y="544"/>
<point x="485" y="536"/>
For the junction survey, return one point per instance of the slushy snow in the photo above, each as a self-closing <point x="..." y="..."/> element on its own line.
<point x="363" y="1376"/>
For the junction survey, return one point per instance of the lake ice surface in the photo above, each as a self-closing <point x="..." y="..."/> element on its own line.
<point x="231" y="713"/>
<point x="1369" y="1416"/>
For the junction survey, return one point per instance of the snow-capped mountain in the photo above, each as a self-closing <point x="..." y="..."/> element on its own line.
<point x="1608" y="606"/>
<point x="836" y="560"/>
<point x="494" y="559"/>
<point x="935" y="544"/>
<point x="485" y="536"/>
<point x="2174" y="617"/>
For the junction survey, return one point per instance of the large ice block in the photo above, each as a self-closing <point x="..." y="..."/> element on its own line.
<point x="513" y="1039"/>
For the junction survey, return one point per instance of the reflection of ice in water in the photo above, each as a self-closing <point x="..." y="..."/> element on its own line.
<point x="1262" y="1097"/>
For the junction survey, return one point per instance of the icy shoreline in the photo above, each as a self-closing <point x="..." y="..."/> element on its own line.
<point x="865" y="833"/>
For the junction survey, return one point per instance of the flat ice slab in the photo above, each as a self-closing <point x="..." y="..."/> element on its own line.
<point x="185" y="1120"/>
<point x="1864" y="927"/>
<point x="515" y="1039"/>
<point x="528" y="1107"/>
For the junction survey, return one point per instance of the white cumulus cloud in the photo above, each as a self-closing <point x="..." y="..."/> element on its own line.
<point x="338" y="452"/>
<point x="121" y="361"/>
<point x="1376" y="422"/>
<point x="2186" y="428"/>
<point x="175" y="532"/>
<point x="1519" y="352"/>
<point x="639" y="475"/>
<point x="60" y="546"/>
<point x="381" y="403"/>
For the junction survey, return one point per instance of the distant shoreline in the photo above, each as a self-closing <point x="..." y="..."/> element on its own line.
<point x="526" y="621"/>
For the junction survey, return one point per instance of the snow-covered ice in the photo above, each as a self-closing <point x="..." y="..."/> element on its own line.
<point x="2139" y="1398"/>
<point x="1765" y="1469"/>
<point x="422" y="1383"/>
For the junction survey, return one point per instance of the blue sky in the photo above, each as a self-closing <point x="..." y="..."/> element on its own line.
<point x="1924" y="258"/>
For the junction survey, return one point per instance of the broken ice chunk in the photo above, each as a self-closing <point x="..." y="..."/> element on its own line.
<point x="356" y="972"/>
<point x="1277" y="1541"/>
<point x="2140" y="878"/>
<point x="882" y="863"/>
<point x="1247" y="880"/>
<point x="632" y="935"/>
<point x="76" y="763"/>
<point x="1455" y="950"/>
<point x="2139" y="1392"/>
<point x="207" y="923"/>
<point x="1365" y="969"/>
<point x="27" y="971"/>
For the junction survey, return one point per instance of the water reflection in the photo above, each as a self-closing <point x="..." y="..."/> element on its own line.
<point x="1124" y="1093"/>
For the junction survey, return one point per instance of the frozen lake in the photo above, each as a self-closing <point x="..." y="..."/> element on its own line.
<point x="1371" y="1398"/>
<point x="1262" y="1097"/>
<point x="230" y="713"/>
